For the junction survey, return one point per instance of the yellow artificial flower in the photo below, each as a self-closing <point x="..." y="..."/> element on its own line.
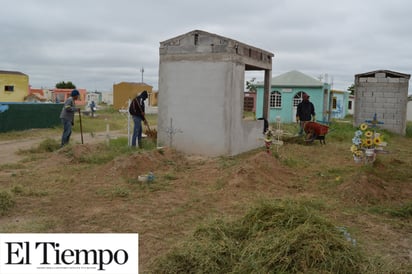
<point x="358" y="153"/>
<point x="377" y="140"/>
<point x="363" y="126"/>
<point x="368" y="142"/>
<point x="353" y="148"/>
<point x="369" y="134"/>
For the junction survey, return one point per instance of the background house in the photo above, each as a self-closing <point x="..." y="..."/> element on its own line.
<point x="35" y="96"/>
<point x="107" y="97"/>
<point x="351" y="104"/>
<point x="384" y="93"/>
<point x="124" y="91"/>
<point x="201" y="93"/>
<point x="14" y="86"/>
<point x="249" y="102"/>
<point x="94" y="96"/>
<point x="286" y="92"/>
<point x="61" y="94"/>
<point x="339" y="104"/>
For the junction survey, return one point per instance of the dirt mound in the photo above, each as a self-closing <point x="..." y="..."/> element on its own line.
<point x="260" y="169"/>
<point x="368" y="189"/>
<point x="142" y="162"/>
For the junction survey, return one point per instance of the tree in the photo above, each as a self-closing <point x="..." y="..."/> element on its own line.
<point x="351" y="89"/>
<point x="68" y="85"/>
<point x="250" y="86"/>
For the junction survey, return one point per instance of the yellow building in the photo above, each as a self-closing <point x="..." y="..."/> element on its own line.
<point x="124" y="91"/>
<point x="14" y="86"/>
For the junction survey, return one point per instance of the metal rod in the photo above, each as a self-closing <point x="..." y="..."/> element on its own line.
<point x="81" y="127"/>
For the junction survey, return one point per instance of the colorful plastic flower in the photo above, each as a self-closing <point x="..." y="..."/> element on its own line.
<point x="358" y="153"/>
<point x="363" y="126"/>
<point x="377" y="140"/>
<point x="356" y="141"/>
<point x="368" y="142"/>
<point x="358" y="133"/>
<point x="353" y="148"/>
<point x="368" y="134"/>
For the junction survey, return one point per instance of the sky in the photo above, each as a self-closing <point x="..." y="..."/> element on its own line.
<point x="98" y="43"/>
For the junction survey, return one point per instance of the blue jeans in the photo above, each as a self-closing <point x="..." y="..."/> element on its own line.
<point x="137" y="130"/>
<point x="67" y="131"/>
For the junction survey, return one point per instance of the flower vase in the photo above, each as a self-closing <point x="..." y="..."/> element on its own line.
<point x="357" y="159"/>
<point x="369" y="152"/>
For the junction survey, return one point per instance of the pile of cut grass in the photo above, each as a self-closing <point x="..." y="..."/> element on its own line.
<point x="274" y="237"/>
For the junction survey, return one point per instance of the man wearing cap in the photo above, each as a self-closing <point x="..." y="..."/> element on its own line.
<point x="305" y="112"/>
<point x="67" y="116"/>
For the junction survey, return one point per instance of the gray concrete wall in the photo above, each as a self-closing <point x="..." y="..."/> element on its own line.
<point x="205" y="102"/>
<point x="385" y="96"/>
<point x="201" y="86"/>
<point x="409" y="111"/>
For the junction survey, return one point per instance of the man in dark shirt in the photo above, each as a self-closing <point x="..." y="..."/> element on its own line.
<point x="136" y="109"/>
<point x="305" y="112"/>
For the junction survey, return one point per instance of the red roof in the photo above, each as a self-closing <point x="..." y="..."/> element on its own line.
<point x="36" y="91"/>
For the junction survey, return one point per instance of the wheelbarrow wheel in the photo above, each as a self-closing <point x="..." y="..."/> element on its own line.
<point x="310" y="137"/>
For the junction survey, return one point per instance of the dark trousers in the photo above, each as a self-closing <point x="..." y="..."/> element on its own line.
<point x="67" y="131"/>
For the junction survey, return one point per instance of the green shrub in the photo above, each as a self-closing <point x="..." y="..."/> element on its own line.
<point x="6" y="202"/>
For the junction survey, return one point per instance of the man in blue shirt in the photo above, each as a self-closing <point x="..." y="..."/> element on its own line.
<point x="67" y="116"/>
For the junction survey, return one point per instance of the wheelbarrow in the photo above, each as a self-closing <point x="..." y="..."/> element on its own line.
<point x="315" y="131"/>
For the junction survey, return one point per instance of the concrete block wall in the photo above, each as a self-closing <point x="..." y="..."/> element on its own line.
<point x="384" y="93"/>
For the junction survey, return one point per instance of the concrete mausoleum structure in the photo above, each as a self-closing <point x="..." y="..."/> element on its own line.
<point x="385" y="93"/>
<point x="201" y="93"/>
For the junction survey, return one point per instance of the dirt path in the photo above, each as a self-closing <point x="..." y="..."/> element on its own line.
<point x="9" y="149"/>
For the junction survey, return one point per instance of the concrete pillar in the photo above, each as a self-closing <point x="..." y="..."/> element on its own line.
<point x="266" y="92"/>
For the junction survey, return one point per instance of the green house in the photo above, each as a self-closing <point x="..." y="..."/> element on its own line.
<point x="286" y="93"/>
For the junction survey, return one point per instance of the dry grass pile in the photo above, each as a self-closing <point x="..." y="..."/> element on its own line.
<point x="274" y="237"/>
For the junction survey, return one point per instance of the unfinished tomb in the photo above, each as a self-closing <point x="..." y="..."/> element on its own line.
<point x="201" y="93"/>
<point x="384" y="93"/>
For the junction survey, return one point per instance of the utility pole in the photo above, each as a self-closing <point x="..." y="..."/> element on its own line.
<point x="142" y="71"/>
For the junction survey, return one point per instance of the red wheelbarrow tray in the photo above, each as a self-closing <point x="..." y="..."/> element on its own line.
<point x="317" y="128"/>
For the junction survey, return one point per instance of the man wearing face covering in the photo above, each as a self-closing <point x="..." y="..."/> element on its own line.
<point x="136" y="109"/>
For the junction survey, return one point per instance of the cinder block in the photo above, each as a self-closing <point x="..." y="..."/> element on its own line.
<point x="391" y="100"/>
<point x="380" y="75"/>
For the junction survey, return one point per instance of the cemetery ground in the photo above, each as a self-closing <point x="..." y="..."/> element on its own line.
<point x="94" y="187"/>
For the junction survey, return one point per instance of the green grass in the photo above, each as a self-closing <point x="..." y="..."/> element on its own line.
<point x="106" y="117"/>
<point x="47" y="145"/>
<point x="279" y="236"/>
<point x="32" y="133"/>
<point x="110" y="118"/>
<point x="403" y="211"/>
<point x="6" y="202"/>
